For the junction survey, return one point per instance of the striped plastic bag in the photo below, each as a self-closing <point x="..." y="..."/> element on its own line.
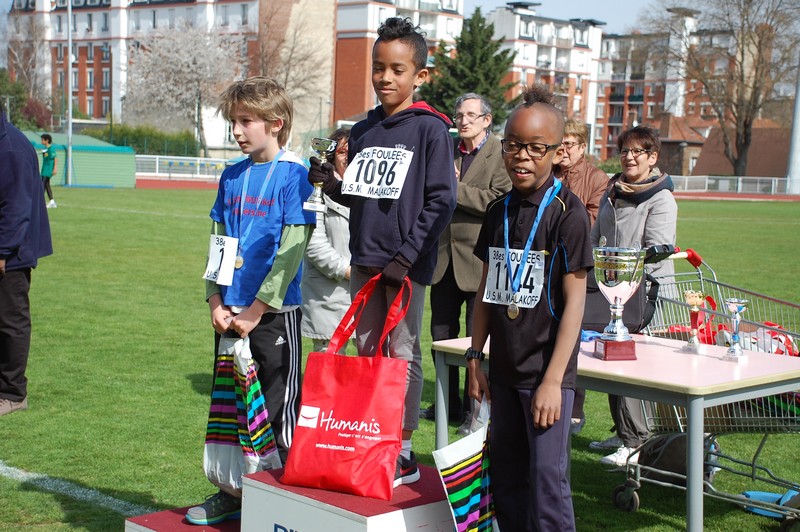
<point x="239" y="437"/>
<point x="464" y="469"/>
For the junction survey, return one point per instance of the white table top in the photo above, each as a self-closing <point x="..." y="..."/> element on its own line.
<point x="662" y="365"/>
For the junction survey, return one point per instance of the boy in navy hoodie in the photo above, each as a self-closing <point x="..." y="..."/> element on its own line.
<point x="400" y="185"/>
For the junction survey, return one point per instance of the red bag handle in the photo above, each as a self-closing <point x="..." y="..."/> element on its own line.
<point x="396" y="313"/>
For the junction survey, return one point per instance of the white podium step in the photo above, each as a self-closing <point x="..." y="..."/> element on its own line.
<point x="268" y="505"/>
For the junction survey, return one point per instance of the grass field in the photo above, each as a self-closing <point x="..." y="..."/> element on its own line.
<point x="120" y="365"/>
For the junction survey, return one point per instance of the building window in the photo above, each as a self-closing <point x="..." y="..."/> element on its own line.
<point x="651" y="110"/>
<point x="90" y="106"/>
<point x="581" y="36"/>
<point x="692" y="164"/>
<point x="74" y="80"/>
<point x="705" y="109"/>
<point x="137" y="20"/>
<point x="223" y="15"/>
<point x="90" y="52"/>
<point x="244" y="14"/>
<point x="74" y="57"/>
<point x="105" y="22"/>
<point x="61" y="78"/>
<point x="89" y="21"/>
<point x="59" y="52"/>
<point x="526" y="52"/>
<point x="190" y="16"/>
<point x="74" y="23"/>
<point x="59" y="24"/>
<point x="155" y="19"/>
<point x="106" y="105"/>
<point x="106" y="79"/>
<point x="601" y="109"/>
<point x="106" y="48"/>
<point x="171" y="16"/>
<point x="90" y="78"/>
<point x="527" y="28"/>
<point x="450" y="27"/>
<point x="691" y="109"/>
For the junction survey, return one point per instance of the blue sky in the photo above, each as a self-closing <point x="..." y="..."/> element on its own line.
<point x="619" y="15"/>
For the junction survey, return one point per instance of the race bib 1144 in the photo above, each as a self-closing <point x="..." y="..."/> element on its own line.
<point x="498" y="279"/>
<point x="377" y="172"/>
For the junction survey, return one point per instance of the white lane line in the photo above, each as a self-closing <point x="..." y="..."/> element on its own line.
<point x="74" y="491"/>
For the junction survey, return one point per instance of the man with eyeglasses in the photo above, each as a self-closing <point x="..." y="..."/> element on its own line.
<point x="482" y="177"/>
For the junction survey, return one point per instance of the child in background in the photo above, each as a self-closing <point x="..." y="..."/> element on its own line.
<point x="48" y="167"/>
<point x="260" y="203"/>
<point x="400" y="186"/>
<point x="534" y="325"/>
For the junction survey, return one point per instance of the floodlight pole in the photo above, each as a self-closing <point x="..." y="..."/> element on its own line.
<point x="793" y="170"/>
<point x="69" y="93"/>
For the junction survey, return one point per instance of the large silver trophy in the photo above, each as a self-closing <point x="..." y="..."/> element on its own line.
<point x="323" y="147"/>
<point x="618" y="272"/>
<point x="735" y="306"/>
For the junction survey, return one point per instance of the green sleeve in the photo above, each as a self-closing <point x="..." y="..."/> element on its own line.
<point x="294" y="240"/>
<point x="212" y="287"/>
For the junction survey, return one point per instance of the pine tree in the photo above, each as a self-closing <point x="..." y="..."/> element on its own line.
<point x="478" y="65"/>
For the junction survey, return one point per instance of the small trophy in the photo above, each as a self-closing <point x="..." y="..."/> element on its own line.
<point x="735" y="306"/>
<point x="323" y="147"/>
<point x="618" y="272"/>
<point x="694" y="299"/>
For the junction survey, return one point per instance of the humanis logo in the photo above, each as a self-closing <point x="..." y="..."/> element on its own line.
<point x="313" y="417"/>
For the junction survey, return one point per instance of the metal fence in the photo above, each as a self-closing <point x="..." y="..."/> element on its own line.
<point x="166" y="166"/>
<point x="741" y="185"/>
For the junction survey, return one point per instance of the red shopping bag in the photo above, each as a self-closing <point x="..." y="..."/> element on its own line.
<point x="348" y="434"/>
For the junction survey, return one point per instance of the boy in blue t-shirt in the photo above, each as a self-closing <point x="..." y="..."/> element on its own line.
<point x="260" y="203"/>
<point x="400" y="185"/>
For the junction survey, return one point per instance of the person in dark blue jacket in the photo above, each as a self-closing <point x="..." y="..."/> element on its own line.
<point x="400" y="186"/>
<point x="24" y="239"/>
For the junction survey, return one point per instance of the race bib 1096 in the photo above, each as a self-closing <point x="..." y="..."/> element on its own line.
<point x="498" y="279"/>
<point x="377" y="172"/>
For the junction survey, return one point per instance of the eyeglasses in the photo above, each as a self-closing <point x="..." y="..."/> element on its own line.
<point x="470" y="117"/>
<point x="633" y="151"/>
<point x="536" y="150"/>
<point x="570" y="145"/>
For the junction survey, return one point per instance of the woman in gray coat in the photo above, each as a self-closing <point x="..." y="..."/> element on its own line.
<point x="638" y="210"/>
<point x="326" y="275"/>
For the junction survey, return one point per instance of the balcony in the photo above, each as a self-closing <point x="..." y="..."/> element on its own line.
<point x="636" y="98"/>
<point x="615" y="119"/>
<point x="616" y="97"/>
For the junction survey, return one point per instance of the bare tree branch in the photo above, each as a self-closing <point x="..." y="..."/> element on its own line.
<point x="27" y="53"/>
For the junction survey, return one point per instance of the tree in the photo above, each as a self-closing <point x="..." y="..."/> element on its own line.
<point x="739" y="53"/>
<point x="28" y="52"/>
<point x="13" y="98"/>
<point x="476" y="64"/>
<point x="175" y="73"/>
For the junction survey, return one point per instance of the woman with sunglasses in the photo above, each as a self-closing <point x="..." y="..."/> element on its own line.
<point x="638" y="210"/>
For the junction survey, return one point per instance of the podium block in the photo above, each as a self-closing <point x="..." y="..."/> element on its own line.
<point x="268" y="505"/>
<point x="173" y="521"/>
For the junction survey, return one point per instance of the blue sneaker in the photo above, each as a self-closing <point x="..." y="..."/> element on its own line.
<point x="216" y="509"/>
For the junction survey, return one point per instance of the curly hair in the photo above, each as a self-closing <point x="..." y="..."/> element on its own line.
<point x="403" y="29"/>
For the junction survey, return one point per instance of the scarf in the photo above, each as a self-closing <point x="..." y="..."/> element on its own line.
<point x="640" y="192"/>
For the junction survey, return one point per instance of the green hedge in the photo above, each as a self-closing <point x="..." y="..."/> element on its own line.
<point x="147" y="140"/>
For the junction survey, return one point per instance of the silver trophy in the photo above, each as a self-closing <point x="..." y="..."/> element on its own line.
<point x="618" y="272"/>
<point x="323" y="147"/>
<point x="735" y="306"/>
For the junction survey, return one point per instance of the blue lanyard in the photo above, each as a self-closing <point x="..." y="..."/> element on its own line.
<point x="245" y="186"/>
<point x="548" y="198"/>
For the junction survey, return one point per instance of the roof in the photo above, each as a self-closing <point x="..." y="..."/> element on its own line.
<point x="79" y="142"/>
<point x="768" y="155"/>
<point x="692" y="130"/>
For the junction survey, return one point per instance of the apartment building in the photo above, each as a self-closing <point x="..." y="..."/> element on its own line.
<point x="562" y="54"/>
<point x="357" y="24"/>
<point x="103" y="31"/>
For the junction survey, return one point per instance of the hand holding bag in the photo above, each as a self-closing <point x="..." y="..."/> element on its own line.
<point x="464" y="469"/>
<point x="348" y="434"/>
<point x="239" y="437"/>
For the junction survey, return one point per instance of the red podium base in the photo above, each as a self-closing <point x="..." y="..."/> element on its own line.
<point x="174" y="521"/>
<point x="615" y="350"/>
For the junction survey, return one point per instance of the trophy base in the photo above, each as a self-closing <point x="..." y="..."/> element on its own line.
<point x="727" y="357"/>
<point x="315" y="207"/>
<point x="698" y="349"/>
<point x="615" y="350"/>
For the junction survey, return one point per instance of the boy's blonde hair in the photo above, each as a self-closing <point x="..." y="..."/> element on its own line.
<point x="262" y="96"/>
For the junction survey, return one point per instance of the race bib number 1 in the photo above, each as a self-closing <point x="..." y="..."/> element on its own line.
<point x="221" y="259"/>
<point x="498" y="279"/>
<point x="377" y="172"/>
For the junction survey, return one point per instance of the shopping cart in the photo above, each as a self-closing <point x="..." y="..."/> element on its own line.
<point x="768" y="324"/>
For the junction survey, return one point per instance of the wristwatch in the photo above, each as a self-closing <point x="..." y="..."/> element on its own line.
<point x="473" y="354"/>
